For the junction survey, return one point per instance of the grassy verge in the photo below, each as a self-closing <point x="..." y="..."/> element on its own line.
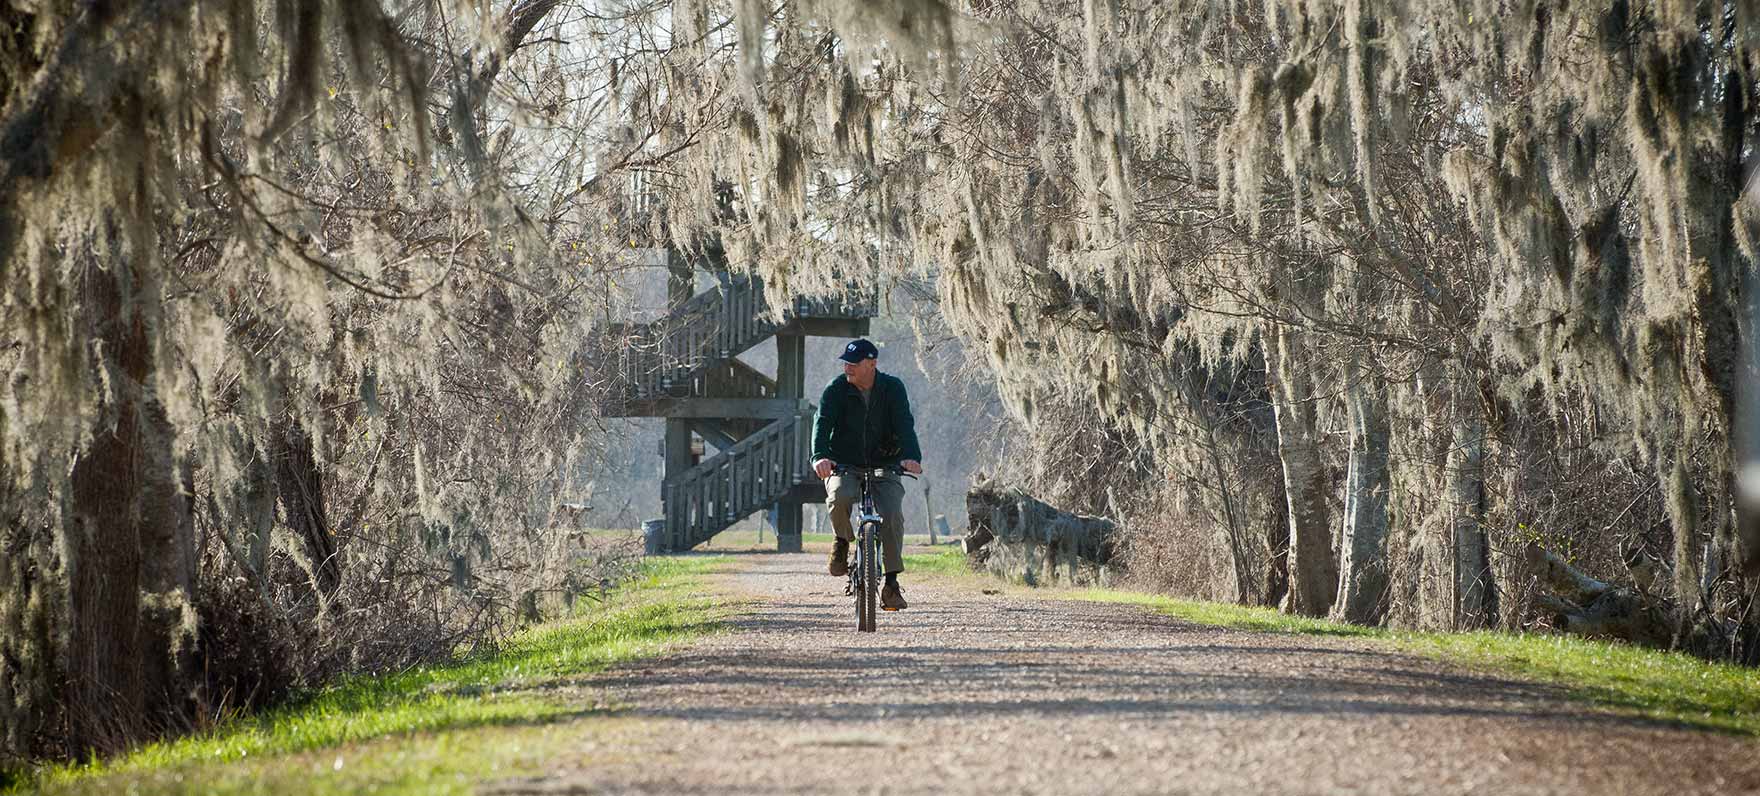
<point x="1651" y="683"/>
<point x="433" y="729"/>
<point x="949" y="561"/>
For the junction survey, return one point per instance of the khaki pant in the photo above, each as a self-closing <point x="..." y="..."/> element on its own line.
<point x="843" y="493"/>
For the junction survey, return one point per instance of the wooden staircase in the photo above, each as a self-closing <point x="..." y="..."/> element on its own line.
<point x="683" y="367"/>
<point x="753" y="474"/>
<point x="669" y="358"/>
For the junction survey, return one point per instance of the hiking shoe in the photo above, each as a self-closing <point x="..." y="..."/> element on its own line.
<point x="840" y="558"/>
<point x="892" y="598"/>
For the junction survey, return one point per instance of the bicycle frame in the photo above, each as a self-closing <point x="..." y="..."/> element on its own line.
<point x="865" y="576"/>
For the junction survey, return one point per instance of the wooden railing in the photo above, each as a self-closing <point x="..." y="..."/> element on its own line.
<point x="667" y="358"/>
<point x="750" y="476"/>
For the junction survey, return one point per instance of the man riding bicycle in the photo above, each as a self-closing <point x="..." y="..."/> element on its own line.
<point x="864" y="420"/>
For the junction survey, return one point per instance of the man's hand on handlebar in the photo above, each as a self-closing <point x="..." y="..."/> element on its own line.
<point x="912" y="466"/>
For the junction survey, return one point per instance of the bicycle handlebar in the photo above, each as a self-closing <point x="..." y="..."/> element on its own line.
<point x="845" y="469"/>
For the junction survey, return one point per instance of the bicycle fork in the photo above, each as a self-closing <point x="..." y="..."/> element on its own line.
<point x="868" y="526"/>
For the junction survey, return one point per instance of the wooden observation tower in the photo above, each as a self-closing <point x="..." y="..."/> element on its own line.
<point x="683" y="368"/>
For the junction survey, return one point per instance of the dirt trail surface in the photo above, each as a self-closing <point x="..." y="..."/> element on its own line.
<point x="968" y="692"/>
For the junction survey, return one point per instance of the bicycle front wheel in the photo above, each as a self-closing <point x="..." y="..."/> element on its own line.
<point x="868" y="562"/>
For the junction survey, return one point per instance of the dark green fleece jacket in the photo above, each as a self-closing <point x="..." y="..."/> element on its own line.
<point x="880" y="432"/>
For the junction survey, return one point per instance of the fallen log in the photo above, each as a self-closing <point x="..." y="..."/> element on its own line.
<point x="1586" y="606"/>
<point x="1013" y="534"/>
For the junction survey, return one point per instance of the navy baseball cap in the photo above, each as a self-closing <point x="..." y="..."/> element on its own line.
<point x="859" y="350"/>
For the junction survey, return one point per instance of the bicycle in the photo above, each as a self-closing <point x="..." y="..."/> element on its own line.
<point x="865" y="575"/>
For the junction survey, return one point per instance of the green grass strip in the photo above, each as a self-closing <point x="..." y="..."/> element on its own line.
<point x="502" y="689"/>
<point x="948" y="561"/>
<point x="1657" y="684"/>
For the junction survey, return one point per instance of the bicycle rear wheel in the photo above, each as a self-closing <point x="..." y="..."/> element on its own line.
<point x="868" y="560"/>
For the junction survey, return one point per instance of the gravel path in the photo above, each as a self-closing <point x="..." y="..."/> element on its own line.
<point x="969" y="692"/>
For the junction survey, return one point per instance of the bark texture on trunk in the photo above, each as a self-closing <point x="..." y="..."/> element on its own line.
<point x="1235" y="534"/>
<point x="29" y="602"/>
<point x="1475" y="595"/>
<point x="1721" y="300"/>
<point x="1362" y="584"/>
<point x="1313" y="573"/>
<point x="1275" y="525"/>
<point x="1701" y="510"/>
<point x="301" y="488"/>
<point x="127" y="545"/>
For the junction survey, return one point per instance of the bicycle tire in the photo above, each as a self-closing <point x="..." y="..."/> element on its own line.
<point x="856" y="580"/>
<point x="855" y="576"/>
<point x="867" y="557"/>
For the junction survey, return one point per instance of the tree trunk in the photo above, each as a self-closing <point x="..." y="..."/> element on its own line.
<point x="1313" y="574"/>
<point x="1276" y="527"/>
<point x="1234" y="530"/>
<point x="1475" y="595"/>
<point x="128" y="548"/>
<point x="1362" y="585"/>
<point x="301" y="488"/>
